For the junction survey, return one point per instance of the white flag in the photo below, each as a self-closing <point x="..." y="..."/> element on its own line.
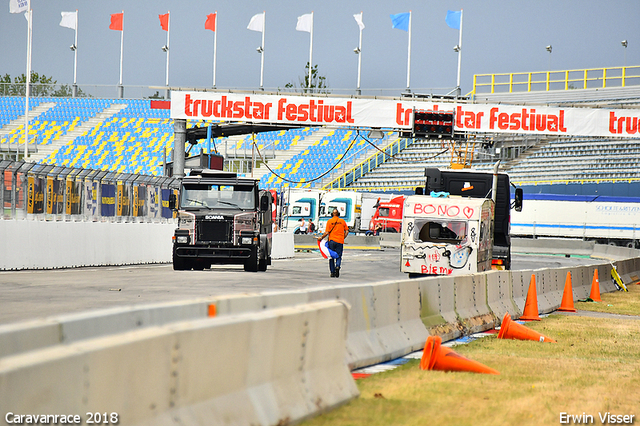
<point x="17" y="6"/>
<point x="69" y="19"/>
<point x="358" y="18"/>
<point x="305" y="23"/>
<point x="256" y="23"/>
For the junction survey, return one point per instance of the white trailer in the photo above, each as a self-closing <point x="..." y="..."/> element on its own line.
<point x="607" y="220"/>
<point x="446" y="235"/>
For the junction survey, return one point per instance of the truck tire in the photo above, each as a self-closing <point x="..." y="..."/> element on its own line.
<point x="252" y="264"/>
<point x="262" y="265"/>
<point x="179" y="264"/>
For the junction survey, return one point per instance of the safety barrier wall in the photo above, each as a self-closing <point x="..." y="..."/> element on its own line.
<point x="39" y="245"/>
<point x="384" y="321"/>
<point x="271" y="367"/>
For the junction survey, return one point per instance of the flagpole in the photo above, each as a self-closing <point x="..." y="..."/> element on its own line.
<point x="264" y="14"/>
<point x="359" y="56"/>
<point x="215" y="48"/>
<point x="310" y="52"/>
<point x="168" y="35"/>
<point x="28" y="81"/>
<point x="409" y="56"/>
<point x="121" y="88"/>
<point x="75" y="60"/>
<point x="459" y="54"/>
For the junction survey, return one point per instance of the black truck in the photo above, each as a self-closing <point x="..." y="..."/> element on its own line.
<point x="222" y="219"/>
<point x="477" y="184"/>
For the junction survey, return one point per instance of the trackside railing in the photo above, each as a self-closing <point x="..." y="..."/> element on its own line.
<point x="54" y="193"/>
<point x="369" y="164"/>
<point x="591" y="78"/>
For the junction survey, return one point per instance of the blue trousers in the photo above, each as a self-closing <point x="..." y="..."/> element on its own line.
<point x="333" y="263"/>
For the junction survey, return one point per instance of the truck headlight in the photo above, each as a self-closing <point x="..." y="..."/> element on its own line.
<point x="182" y="239"/>
<point x="246" y="240"/>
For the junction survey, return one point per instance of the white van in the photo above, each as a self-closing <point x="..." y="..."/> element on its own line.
<point x="446" y="235"/>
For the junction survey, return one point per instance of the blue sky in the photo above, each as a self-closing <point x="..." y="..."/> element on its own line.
<point x="498" y="36"/>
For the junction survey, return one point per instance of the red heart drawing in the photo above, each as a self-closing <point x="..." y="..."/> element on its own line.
<point x="468" y="212"/>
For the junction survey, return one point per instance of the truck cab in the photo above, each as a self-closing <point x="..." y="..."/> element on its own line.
<point x="446" y="235"/>
<point x="388" y="215"/>
<point x="222" y="219"/>
<point x="348" y="205"/>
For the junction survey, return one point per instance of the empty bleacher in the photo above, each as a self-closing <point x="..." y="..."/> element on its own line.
<point x="128" y="136"/>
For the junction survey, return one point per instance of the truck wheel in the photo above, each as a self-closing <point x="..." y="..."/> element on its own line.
<point x="262" y="265"/>
<point x="179" y="264"/>
<point x="251" y="265"/>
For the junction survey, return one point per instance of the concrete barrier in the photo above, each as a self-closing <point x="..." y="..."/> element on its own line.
<point x="471" y="303"/>
<point x="282" y="245"/>
<point x="500" y="295"/>
<point x="27" y="244"/>
<point x="272" y="367"/>
<point x="439" y="308"/>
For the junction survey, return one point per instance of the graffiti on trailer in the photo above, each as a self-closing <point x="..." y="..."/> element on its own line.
<point x="443" y="210"/>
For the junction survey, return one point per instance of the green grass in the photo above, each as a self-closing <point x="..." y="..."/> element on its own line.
<point x="594" y="368"/>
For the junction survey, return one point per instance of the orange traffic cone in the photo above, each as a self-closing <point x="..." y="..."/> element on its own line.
<point x="438" y="357"/>
<point x="567" y="297"/>
<point x="531" y="305"/>
<point x="510" y="329"/>
<point x="595" y="288"/>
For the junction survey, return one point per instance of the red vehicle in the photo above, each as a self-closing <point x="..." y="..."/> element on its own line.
<point x="388" y="215"/>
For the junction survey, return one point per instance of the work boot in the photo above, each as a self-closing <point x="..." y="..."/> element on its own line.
<point x="337" y="272"/>
<point x="333" y="274"/>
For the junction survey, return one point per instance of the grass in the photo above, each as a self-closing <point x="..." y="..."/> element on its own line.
<point x="594" y="368"/>
<point x="618" y="302"/>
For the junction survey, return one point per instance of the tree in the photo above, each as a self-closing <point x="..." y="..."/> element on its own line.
<point x="156" y="96"/>
<point x="66" y="91"/>
<point x="40" y="85"/>
<point x="318" y="82"/>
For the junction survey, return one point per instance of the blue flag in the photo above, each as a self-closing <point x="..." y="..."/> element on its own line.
<point x="401" y="21"/>
<point x="453" y="19"/>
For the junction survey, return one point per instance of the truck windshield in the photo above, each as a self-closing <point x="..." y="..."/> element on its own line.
<point x="218" y="196"/>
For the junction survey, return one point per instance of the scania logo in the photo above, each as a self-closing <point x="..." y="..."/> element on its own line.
<point x="211" y="217"/>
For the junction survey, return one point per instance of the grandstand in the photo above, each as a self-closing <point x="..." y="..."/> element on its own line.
<point x="127" y="136"/>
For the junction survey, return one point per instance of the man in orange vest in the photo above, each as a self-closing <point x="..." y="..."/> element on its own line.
<point x="337" y="230"/>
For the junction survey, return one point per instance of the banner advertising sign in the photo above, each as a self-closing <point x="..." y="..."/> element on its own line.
<point x="108" y="199"/>
<point x="91" y="197"/>
<point x="74" y="195"/>
<point x="35" y="201"/>
<point x="398" y="114"/>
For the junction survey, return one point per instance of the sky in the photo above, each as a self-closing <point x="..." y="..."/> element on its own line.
<point x="499" y="36"/>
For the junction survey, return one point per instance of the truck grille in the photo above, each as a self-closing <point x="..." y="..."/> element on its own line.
<point x="214" y="231"/>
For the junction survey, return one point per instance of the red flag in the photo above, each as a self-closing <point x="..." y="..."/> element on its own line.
<point x="164" y="21"/>
<point x="210" y="24"/>
<point x="116" y="21"/>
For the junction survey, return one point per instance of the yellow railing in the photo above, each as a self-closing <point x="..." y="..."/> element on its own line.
<point x="369" y="164"/>
<point x="592" y="78"/>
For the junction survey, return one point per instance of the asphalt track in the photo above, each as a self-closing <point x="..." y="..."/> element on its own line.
<point x="26" y="295"/>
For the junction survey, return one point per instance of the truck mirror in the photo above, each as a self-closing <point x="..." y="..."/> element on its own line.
<point x="517" y="200"/>
<point x="265" y="203"/>
<point x="172" y="201"/>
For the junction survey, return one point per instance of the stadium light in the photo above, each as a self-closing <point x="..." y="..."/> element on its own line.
<point x="260" y="49"/>
<point x="456" y="48"/>
<point x="356" y="50"/>
<point x="549" y="48"/>
<point x="165" y="48"/>
<point x="73" y="47"/>
<point x="624" y="43"/>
